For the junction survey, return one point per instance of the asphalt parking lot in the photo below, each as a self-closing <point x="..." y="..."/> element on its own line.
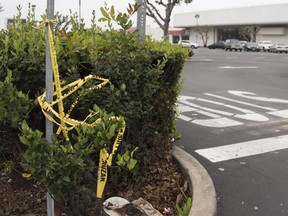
<point x="234" y="121"/>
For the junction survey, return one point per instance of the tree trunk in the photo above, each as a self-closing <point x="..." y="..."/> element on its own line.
<point x="166" y="31"/>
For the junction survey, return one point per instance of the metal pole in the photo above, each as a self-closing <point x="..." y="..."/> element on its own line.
<point x="33" y="12"/>
<point x="49" y="94"/>
<point x="197" y="17"/>
<point x="79" y="11"/>
<point x="141" y="19"/>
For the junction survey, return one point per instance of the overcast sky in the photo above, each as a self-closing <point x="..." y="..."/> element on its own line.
<point x="87" y="6"/>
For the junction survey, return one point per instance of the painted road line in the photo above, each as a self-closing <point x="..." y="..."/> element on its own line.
<point x="253" y="96"/>
<point x="240" y="67"/>
<point x="212" y="115"/>
<point x="248" y="114"/>
<point x="183" y="108"/>
<point x="244" y="149"/>
<point x="207" y="60"/>
<point x="280" y="113"/>
<point x="231" y="57"/>
<point x="185" y="118"/>
<point x="241" y="102"/>
<point x="217" y="122"/>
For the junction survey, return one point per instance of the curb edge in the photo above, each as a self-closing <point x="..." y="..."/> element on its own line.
<point x="204" y="199"/>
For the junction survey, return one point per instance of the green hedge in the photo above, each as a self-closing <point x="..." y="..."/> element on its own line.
<point x="145" y="82"/>
<point x="145" y="75"/>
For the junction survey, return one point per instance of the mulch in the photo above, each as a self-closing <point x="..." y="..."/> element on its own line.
<point x="162" y="184"/>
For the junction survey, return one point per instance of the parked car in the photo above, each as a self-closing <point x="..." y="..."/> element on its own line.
<point x="217" y="45"/>
<point x="279" y="47"/>
<point x="265" y="45"/>
<point x="233" y="44"/>
<point x="243" y="43"/>
<point x="251" y="46"/>
<point x="188" y="44"/>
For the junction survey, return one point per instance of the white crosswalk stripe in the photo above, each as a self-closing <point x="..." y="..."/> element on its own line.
<point x="220" y="111"/>
<point x="219" y="118"/>
<point x="244" y="149"/>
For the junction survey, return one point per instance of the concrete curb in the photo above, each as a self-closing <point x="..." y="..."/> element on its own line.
<point x="204" y="200"/>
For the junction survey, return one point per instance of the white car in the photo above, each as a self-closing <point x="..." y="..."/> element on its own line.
<point x="188" y="44"/>
<point x="279" y="47"/>
<point x="265" y="45"/>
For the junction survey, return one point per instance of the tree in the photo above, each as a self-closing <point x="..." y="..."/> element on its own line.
<point x="163" y="21"/>
<point x="63" y="22"/>
<point x="250" y="32"/>
<point x="203" y="31"/>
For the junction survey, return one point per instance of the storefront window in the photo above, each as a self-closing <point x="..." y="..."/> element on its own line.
<point x="229" y="33"/>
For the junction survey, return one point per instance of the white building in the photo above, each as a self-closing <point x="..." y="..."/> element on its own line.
<point x="155" y="32"/>
<point x="270" y="22"/>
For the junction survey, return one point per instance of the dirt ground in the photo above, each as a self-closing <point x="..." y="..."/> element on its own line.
<point x="162" y="185"/>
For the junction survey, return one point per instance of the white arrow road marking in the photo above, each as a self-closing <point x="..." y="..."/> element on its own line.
<point x="212" y="115"/>
<point x="185" y="118"/>
<point x="280" y="113"/>
<point x="244" y="149"/>
<point x="253" y="97"/>
<point x="241" y="102"/>
<point x="217" y="122"/>
<point x="241" y="67"/>
<point x="183" y="108"/>
<point x="249" y="115"/>
<point x="216" y="118"/>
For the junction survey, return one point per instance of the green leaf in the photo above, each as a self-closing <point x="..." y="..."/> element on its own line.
<point x="112" y="87"/>
<point x="186" y="208"/>
<point x="119" y="16"/>
<point x="24" y="140"/>
<point x="132" y="153"/>
<point x="126" y="156"/>
<point x="179" y="210"/>
<point x="24" y="126"/>
<point x="66" y="179"/>
<point x="112" y="130"/>
<point x="123" y="86"/>
<point x="120" y="160"/>
<point x="63" y="149"/>
<point x="131" y="164"/>
<point x="112" y="12"/>
<point x="102" y="19"/>
<point x="104" y="13"/>
<point x="32" y="170"/>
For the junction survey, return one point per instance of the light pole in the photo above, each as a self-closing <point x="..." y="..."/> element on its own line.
<point x="141" y="19"/>
<point x="33" y="12"/>
<point x="79" y="11"/>
<point x="196" y="17"/>
<point x="49" y="94"/>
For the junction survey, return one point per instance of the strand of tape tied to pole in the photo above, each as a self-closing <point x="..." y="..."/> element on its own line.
<point x="63" y="120"/>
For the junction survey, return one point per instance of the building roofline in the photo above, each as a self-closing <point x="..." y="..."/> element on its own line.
<point x="260" y="15"/>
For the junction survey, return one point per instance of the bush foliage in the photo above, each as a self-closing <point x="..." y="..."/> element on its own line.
<point x="145" y="82"/>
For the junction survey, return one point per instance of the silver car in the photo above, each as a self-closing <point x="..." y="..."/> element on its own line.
<point x="279" y="48"/>
<point x="188" y="44"/>
<point x="233" y="44"/>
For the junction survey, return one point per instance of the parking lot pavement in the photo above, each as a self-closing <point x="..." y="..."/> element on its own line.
<point x="233" y="119"/>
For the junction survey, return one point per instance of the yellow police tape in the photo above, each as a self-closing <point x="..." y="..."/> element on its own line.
<point x="64" y="121"/>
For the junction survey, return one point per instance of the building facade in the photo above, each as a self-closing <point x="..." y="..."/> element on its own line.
<point x="255" y="23"/>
